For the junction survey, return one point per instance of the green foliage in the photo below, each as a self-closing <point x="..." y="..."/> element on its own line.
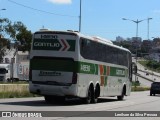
<point x="137" y="83"/>
<point x="17" y="32"/>
<point x="24" y="37"/>
<point x="153" y="65"/>
<point x="143" y="62"/>
<point x="139" y="88"/>
<point x="4" y="25"/>
<point x="4" y="43"/>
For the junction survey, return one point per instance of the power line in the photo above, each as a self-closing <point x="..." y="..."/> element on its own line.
<point x="40" y="10"/>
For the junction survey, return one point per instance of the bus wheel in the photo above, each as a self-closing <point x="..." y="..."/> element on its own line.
<point x="121" y="97"/>
<point x="150" y="93"/>
<point x="88" y="99"/>
<point x="48" y="98"/>
<point x="96" y="94"/>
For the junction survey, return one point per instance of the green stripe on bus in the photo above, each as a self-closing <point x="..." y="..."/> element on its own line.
<point x="120" y="72"/>
<point x="71" y="66"/>
<point x="88" y="68"/>
<point x="52" y="65"/>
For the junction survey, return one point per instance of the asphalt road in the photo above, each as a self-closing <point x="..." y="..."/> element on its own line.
<point x="138" y="101"/>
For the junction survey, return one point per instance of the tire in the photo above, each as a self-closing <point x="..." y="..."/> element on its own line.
<point x="95" y="100"/>
<point x="150" y="94"/>
<point x="96" y="94"/>
<point x="48" y="98"/>
<point x="88" y="99"/>
<point x="121" y="97"/>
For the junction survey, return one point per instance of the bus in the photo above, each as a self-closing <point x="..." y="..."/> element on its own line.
<point x="68" y="64"/>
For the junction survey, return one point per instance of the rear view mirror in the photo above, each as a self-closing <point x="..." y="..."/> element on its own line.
<point x="134" y="68"/>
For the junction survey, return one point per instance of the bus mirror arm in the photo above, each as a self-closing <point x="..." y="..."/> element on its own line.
<point x="134" y="68"/>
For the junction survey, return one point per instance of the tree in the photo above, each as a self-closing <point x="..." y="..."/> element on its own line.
<point x="19" y="33"/>
<point x="3" y="24"/>
<point x="16" y="32"/>
<point x="4" y="43"/>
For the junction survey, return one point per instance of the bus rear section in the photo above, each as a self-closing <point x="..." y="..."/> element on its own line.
<point x="53" y="64"/>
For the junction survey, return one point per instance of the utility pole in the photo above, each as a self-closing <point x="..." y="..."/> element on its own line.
<point x="148" y="26"/>
<point x="80" y="15"/>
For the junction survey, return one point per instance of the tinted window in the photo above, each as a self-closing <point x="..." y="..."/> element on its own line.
<point x="156" y="83"/>
<point x="100" y="52"/>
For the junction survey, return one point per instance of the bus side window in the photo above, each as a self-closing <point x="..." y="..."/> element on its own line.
<point x="84" y="43"/>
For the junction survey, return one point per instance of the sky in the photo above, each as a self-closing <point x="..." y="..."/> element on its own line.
<point x="101" y="18"/>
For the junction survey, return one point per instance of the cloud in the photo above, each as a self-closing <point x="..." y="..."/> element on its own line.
<point x="61" y="1"/>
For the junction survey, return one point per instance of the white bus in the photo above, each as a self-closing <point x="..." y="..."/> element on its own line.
<point x="68" y="64"/>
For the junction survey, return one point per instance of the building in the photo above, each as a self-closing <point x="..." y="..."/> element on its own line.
<point x="119" y="39"/>
<point x="155" y="54"/>
<point x="15" y="56"/>
<point x="146" y="46"/>
<point x="136" y="42"/>
<point x="156" y="42"/>
<point x="20" y="62"/>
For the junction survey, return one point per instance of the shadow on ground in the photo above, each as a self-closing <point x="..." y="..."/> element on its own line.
<point x="68" y="102"/>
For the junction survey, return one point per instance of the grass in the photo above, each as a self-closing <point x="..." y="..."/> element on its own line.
<point x="21" y="90"/>
<point x="143" y="63"/>
<point x="151" y="65"/>
<point x="136" y="87"/>
<point x="139" y="88"/>
<point x="137" y="83"/>
<point x="15" y="91"/>
<point x="18" y="82"/>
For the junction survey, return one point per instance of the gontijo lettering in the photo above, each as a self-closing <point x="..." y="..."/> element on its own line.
<point x="43" y="44"/>
<point x="120" y="72"/>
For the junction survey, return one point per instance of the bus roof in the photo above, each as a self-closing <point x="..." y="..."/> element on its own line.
<point x="71" y="32"/>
